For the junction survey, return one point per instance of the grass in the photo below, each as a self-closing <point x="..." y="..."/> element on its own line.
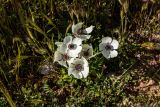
<point x="30" y="28"/>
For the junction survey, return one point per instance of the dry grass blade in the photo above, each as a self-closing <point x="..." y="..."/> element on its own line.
<point x="6" y="94"/>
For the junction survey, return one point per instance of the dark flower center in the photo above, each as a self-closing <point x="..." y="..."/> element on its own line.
<point x="72" y="46"/>
<point x="86" y="53"/>
<point x="79" y="67"/>
<point x="65" y="57"/>
<point x="109" y="47"/>
<point x="79" y="31"/>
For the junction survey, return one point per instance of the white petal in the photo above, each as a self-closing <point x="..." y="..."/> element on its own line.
<point x="63" y="63"/>
<point x="88" y="30"/>
<point x="63" y="48"/>
<point x="85" y="47"/>
<point x="77" y="41"/>
<point x="74" y="53"/>
<point x="84" y="37"/>
<point x="113" y="53"/>
<point x="106" y="40"/>
<point x="106" y="54"/>
<point x="90" y="54"/>
<point x="115" y="44"/>
<point x="58" y="43"/>
<point x="72" y="65"/>
<point x="67" y="40"/>
<point x="80" y="75"/>
<point x="76" y="75"/>
<point x="85" y="72"/>
<point x="76" y="27"/>
<point x="78" y="61"/>
<point x="85" y="62"/>
<point x="102" y="46"/>
<point x="78" y="49"/>
<point x="57" y="56"/>
<point x="91" y="49"/>
<point x="70" y="70"/>
<point x="74" y="30"/>
<point x="70" y="61"/>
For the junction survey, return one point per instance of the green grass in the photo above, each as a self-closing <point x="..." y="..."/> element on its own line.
<point x="30" y="28"/>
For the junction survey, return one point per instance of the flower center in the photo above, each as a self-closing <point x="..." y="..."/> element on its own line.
<point x="79" y="67"/>
<point x="86" y="53"/>
<point x="79" y="31"/>
<point x="72" y="46"/>
<point x="65" y="57"/>
<point x="109" y="47"/>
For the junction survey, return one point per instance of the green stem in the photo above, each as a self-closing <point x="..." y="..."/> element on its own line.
<point x="95" y="55"/>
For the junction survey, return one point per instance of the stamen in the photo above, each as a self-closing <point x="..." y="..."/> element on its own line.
<point x="85" y="53"/>
<point x="65" y="57"/>
<point x="79" y="31"/>
<point x="79" y="67"/>
<point x="109" y="47"/>
<point x="72" y="46"/>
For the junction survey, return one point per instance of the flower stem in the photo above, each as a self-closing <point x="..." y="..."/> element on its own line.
<point x="94" y="55"/>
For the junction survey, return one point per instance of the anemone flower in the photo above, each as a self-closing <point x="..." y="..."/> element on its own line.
<point x="62" y="58"/>
<point x="79" y="68"/>
<point x="108" y="47"/>
<point x="81" y="33"/>
<point x="87" y="51"/>
<point x="71" y="46"/>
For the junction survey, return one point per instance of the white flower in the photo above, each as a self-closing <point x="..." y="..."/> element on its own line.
<point x="62" y="58"/>
<point x="79" y="68"/>
<point x="71" y="46"/>
<point x="108" y="47"/>
<point x="87" y="51"/>
<point x="81" y="33"/>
